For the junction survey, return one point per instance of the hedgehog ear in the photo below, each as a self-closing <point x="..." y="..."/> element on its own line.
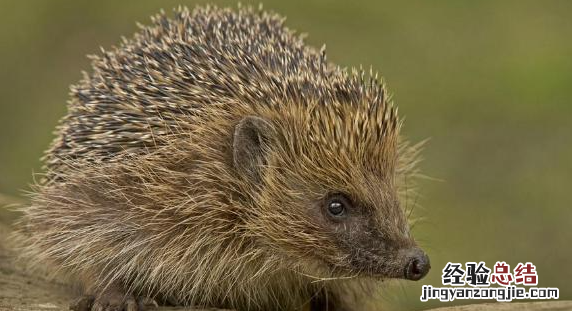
<point x="252" y="137"/>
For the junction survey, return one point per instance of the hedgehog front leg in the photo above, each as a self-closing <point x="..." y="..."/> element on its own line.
<point x="327" y="300"/>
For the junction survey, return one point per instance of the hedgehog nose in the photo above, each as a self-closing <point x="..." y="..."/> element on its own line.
<point x="417" y="265"/>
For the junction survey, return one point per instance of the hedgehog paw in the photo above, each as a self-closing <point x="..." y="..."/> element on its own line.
<point x="144" y="304"/>
<point x="113" y="302"/>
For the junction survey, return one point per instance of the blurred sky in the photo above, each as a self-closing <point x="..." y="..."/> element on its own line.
<point x="488" y="81"/>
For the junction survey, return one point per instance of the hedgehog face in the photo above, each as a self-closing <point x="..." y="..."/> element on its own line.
<point x="360" y="221"/>
<point x="373" y="237"/>
<point x="323" y="200"/>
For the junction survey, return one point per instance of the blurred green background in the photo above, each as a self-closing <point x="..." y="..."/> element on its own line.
<point x="490" y="82"/>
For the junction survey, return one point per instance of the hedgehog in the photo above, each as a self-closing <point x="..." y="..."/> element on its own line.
<point x="216" y="160"/>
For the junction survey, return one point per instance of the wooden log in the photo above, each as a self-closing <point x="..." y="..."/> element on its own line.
<point x="513" y="306"/>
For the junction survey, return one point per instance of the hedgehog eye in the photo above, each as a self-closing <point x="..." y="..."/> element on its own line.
<point x="337" y="205"/>
<point x="336" y="208"/>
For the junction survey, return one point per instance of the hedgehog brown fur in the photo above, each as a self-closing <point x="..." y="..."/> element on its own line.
<point x="200" y="163"/>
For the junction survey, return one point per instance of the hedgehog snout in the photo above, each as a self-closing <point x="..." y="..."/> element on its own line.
<point x="417" y="264"/>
